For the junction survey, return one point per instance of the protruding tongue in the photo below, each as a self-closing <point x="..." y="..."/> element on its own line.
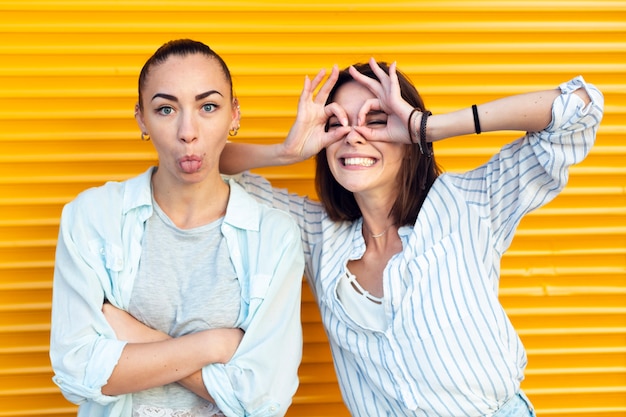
<point x="190" y="165"/>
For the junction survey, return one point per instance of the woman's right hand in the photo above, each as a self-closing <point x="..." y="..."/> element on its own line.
<point x="308" y="134"/>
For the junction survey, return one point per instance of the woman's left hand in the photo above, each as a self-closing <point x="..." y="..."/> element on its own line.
<point x="389" y="100"/>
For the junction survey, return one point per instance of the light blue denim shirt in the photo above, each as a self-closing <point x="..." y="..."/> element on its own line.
<point x="97" y="258"/>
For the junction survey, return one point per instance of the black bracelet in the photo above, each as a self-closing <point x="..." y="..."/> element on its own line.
<point x="408" y="124"/>
<point x="476" y="120"/>
<point x="423" y="144"/>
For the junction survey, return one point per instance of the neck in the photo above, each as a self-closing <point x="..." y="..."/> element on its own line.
<point x="376" y="235"/>
<point x="192" y="205"/>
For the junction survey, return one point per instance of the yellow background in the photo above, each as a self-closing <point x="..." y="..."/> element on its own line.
<point x="68" y="73"/>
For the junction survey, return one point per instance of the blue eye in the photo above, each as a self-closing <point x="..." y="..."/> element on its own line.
<point x="209" y="107"/>
<point x="165" y="110"/>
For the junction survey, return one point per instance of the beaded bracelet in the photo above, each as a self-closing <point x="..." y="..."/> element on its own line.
<point x="422" y="143"/>
<point x="420" y="135"/>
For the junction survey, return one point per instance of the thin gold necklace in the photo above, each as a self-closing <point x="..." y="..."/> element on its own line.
<point x="381" y="234"/>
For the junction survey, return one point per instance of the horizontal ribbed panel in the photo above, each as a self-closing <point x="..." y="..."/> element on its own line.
<point x="68" y="73"/>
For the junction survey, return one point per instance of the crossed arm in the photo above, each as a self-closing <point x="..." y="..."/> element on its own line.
<point x="153" y="358"/>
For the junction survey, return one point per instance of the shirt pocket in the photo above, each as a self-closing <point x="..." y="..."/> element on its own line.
<point x="258" y="288"/>
<point x="112" y="255"/>
<point x="259" y="285"/>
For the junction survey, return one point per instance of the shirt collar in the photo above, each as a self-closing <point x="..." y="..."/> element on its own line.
<point x="242" y="212"/>
<point x="138" y="192"/>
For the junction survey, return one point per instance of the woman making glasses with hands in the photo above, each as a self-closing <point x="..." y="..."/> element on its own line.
<point x="404" y="260"/>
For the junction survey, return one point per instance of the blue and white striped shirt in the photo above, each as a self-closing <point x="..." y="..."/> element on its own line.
<point x="449" y="348"/>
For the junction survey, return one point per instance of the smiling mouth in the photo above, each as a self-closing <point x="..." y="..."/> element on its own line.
<point x="360" y="162"/>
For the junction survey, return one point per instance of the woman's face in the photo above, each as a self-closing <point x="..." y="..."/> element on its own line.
<point x="362" y="166"/>
<point x="187" y="111"/>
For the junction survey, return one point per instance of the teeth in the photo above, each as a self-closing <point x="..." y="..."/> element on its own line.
<point x="364" y="162"/>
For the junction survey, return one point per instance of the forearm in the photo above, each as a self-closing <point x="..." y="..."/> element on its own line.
<point x="147" y="365"/>
<point x="195" y="384"/>
<point x="528" y="112"/>
<point x="240" y="157"/>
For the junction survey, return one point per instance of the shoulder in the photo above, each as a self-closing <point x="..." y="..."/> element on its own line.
<point x="98" y="199"/>
<point x="274" y="220"/>
<point x="245" y="211"/>
<point x="109" y="200"/>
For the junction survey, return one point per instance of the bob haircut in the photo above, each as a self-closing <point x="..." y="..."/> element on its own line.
<point x="182" y="48"/>
<point x="417" y="172"/>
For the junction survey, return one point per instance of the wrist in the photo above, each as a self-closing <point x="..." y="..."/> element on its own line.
<point x="418" y="130"/>
<point x="284" y="155"/>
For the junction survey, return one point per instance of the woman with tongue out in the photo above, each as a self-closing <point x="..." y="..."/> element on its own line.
<point x="404" y="260"/>
<point x="175" y="292"/>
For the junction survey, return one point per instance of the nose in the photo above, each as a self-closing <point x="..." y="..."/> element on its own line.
<point x="187" y="129"/>
<point x="353" y="137"/>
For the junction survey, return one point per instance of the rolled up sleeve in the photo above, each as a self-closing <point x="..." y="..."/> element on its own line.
<point x="262" y="377"/>
<point x="83" y="347"/>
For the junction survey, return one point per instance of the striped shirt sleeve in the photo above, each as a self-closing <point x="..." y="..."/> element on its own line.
<point x="532" y="170"/>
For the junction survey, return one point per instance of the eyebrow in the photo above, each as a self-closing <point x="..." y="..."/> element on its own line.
<point x="198" y="97"/>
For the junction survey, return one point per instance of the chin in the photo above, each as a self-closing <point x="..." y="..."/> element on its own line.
<point x="351" y="186"/>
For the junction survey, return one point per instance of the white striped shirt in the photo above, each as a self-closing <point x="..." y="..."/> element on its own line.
<point x="449" y="349"/>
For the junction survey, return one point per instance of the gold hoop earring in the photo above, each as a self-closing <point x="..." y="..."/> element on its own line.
<point x="145" y="137"/>
<point x="233" y="132"/>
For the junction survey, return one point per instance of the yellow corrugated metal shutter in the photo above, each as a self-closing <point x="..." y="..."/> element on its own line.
<point x="68" y="74"/>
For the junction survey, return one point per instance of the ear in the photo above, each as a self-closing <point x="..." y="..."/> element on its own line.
<point x="236" y="114"/>
<point x="139" y="119"/>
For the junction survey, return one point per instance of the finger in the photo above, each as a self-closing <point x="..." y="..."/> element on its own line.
<point x="324" y="92"/>
<point x="378" y="71"/>
<point x="334" y="109"/>
<point x="334" y="135"/>
<point x="372" y="104"/>
<point x="383" y="135"/>
<point x="371" y="84"/>
<point x="393" y="78"/>
<point x="318" y="79"/>
<point x="310" y="86"/>
<point x="373" y="135"/>
<point x="305" y="94"/>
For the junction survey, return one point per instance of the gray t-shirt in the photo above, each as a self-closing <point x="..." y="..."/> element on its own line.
<point x="186" y="283"/>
